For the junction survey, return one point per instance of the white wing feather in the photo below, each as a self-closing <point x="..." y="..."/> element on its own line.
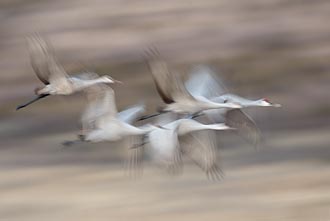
<point x="201" y="148"/>
<point x="131" y="114"/>
<point x="204" y="83"/>
<point x="101" y="106"/>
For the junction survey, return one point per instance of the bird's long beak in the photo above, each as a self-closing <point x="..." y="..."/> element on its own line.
<point x="32" y="101"/>
<point x="276" y="105"/>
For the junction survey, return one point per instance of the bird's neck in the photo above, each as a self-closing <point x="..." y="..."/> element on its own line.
<point x="251" y="103"/>
<point x="94" y="81"/>
<point x="82" y="84"/>
<point x="214" y="105"/>
<point x="186" y="126"/>
<point x="238" y="99"/>
<point x="215" y="126"/>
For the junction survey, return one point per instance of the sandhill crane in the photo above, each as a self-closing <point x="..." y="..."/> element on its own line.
<point x="101" y="122"/>
<point x="173" y="92"/>
<point x="203" y="82"/>
<point x="53" y="75"/>
<point x="185" y="136"/>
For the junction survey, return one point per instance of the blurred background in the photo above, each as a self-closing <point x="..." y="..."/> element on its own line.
<point x="262" y="48"/>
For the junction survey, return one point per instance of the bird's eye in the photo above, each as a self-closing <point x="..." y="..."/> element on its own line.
<point x="225" y="101"/>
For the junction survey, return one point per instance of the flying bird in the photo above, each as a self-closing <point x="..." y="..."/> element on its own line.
<point x="53" y="75"/>
<point x="185" y="137"/>
<point x="203" y="82"/>
<point x="101" y="120"/>
<point x="173" y="91"/>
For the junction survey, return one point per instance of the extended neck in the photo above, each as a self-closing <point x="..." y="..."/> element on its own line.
<point x="199" y="126"/>
<point x="82" y="84"/>
<point x="254" y="103"/>
<point x="185" y="126"/>
<point x="235" y="99"/>
<point x="216" y="127"/>
<point x="214" y="105"/>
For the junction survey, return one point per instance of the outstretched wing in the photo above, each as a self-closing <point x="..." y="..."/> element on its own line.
<point x="40" y="52"/>
<point x="101" y="106"/>
<point x="165" y="148"/>
<point x="168" y="84"/>
<point x="178" y="90"/>
<point x="160" y="74"/>
<point x="44" y="63"/>
<point x="203" y="82"/>
<point x="244" y="125"/>
<point x="201" y="147"/>
<point x="135" y="156"/>
<point x="131" y="114"/>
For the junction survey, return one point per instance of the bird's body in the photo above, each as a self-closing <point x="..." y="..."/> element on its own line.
<point x="114" y="130"/>
<point x="164" y="145"/>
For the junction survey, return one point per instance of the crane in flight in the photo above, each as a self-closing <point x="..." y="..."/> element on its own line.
<point x="101" y="121"/>
<point x="185" y="137"/>
<point x="203" y="82"/>
<point x="53" y="75"/>
<point x="174" y="93"/>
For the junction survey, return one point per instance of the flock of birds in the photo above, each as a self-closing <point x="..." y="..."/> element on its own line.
<point x="186" y="125"/>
